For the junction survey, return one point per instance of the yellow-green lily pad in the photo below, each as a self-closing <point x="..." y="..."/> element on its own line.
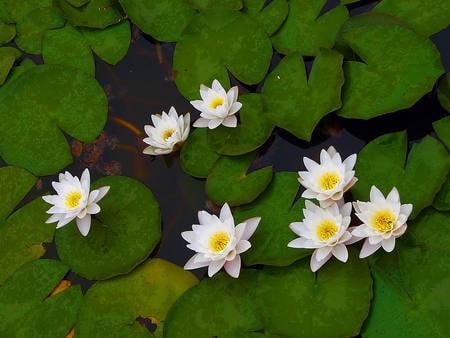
<point x="7" y="32"/>
<point x="12" y="10"/>
<point x="8" y="56"/>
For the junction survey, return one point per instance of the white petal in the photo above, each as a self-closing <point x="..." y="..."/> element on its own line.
<point x="201" y="123"/>
<point x="340" y="252"/>
<point x="239" y="230"/>
<point x="242" y="246"/>
<point x="93" y="209"/>
<point x="102" y="191"/>
<point x="225" y="213"/>
<point x="53" y="218"/>
<point x="51" y="199"/>
<point x="309" y="194"/>
<point x="149" y="151"/>
<point x="230" y="121"/>
<point x="235" y="107"/>
<point x="213" y="124"/>
<point x="215" y="266"/>
<point x="349" y="162"/>
<point x="233" y="267"/>
<point x="173" y="112"/>
<point x="388" y="244"/>
<point x="64" y="221"/>
<point x="331" y="151"/>
<point x="315" y="264"/>
<point x="250" y="228"/>
<point x="368" y="249"/>
<point x="193" y="263"/>
<point x="85" y="180"/>
<point x="217" y="87"/>
<point x="376" y="195"/>
<point x="204" y="217"/>
<point x="197" y="104"/>
<point x="393" y="197"/>
<point x="84" y="224"/>
<point x="188" y="236"/>
<point x="302" y="243"/>
<point x="400" y="231"/>
<point x="360" y="231"/>
<point x="324" y="157"/>
<point x="322" y="252"/>
<point x="406" y="209"/>
<point x="310" y="164"/>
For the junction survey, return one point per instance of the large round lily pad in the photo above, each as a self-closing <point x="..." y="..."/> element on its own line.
<point x="122" y="235"/>
<point x="229" y="182"/>
<point x="418" y="176"/>
<point x="310" y="98"/>
<point x="12" y="10"/>
<point x="27" y="307"/>
<point x="110" y="308"/>
<point x="269" y="14"/>
<point x="38" y="106"/>
<point x="411" y="296"/>
<point x="277" y="210"/>
<point x="398" y="66"/>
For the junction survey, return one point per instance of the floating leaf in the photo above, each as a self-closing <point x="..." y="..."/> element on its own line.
<point x="444" y="92"/>
<point x="197" y="157"/>
<point x="442" y="129"/>
<point x="398" y="66"/>
<point x="7" y="32"/>
<point x="112" y="307"/>
<point x="217" y="307"/>
<point x="306" y="31"/>
<point x="383" y="163"/>
<point x="78" y="3"/>
<point x="202" y="5"/>
<point x="27" y="307"/>
<point x="411" y="284"/>
<point x="12" y="10"/>
<point x="66" y="46"/>
<point x="252" y="131"/>
<point x="228" y="181"/>
<point x="277" y="210"/>
<point x="17" y="71"/>
<point x="110" y="44"/>
<point x="216" y="41"/>
<point x="122" y="235"/>
<point x="309" y="99"/>
<point x="8" y="56"/>
<point x="164" y="20"/>
<point x="271" y="16"/>
<point x="426" y="17"/>
<point x="36" y="105"/>
<point x="442" y="200"/>
<point x="294" y="302"/>
<point x="32" y="27"/>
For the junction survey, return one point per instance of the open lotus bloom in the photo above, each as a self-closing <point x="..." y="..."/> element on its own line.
<point x="74" y="200"/>
<point x="328" y="180"/>
<point x="325" y="230"/>
<point x="384" y="219"/>
<point x="218" y="242"/>
<point x="217" y="106"/>
<point x="168" y="133"/>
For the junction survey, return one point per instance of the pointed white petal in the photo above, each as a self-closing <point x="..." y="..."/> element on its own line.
<point x="250" y="228"/>
<point x="93" y="209"/>
<point x="315" y="264"/>
<point x="230" y="121"/>
<point x="340" y="252"/>
<point x="388" y="244"/>
<point x="349" y="162"/>
<point x="233" y="267"/>
<point x="225" y="213"/>
<point x="194" y="263"/>
<point x="84" y="224"/>
<point x="242" y="246"/>
<point x="215" y="266"/>
<point x="201" y="123"/>
<point x="376" y="195"/>
<point x="368" y="249"/>
<point x="393" y="197"/>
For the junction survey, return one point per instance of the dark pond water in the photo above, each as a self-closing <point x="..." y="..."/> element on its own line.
<point x="142" y="84"/>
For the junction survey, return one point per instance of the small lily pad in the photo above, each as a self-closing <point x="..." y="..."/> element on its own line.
<point x="252" y="131"/>
<point x="442" y="129"/>
<point x="33" y="108"/>
<point x="8" y="56"/>
<point x="305" y="31"/>
<point x="277" y="210"/>
<point x="122" y="235"/>
<point x="271" y="16"/>
<point x="411" y="301"/>
<point x="228" y="181"/>
<point x="7" y="32"/>
<point x="27" y="307"/>
<point x="398" y="66"/>
<point x="110" y="308"/>
<point x="418" y="178"/>
<point x="110" y="44"/>
<point x="444" y="92"/>
<point x="197" y="156"/>
<point x="309" y="99"/>
<point x="426" y="17"/>
<point x="12" y="10"/>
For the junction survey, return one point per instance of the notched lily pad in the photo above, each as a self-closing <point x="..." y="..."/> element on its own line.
<point x="7" y="32"/>
<point x="12" y="10"/>
<point x="277" y="210"/>
<point x="228" y="181"/>
<point x="271" y="16"/>
<point x="111" y="308"/>
<point x="444" y="92"/>
<point x="309" y="99"/>
<point x="418" y="178"/>
<point x="37" y="104"/>
<point x="122" y="235"/>
<point x="8" y="56"/>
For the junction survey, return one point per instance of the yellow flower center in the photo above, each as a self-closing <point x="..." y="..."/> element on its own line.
<point x="383" y="221"/>
<point x="326" y="229"/>
<point x="329" y="180"/>
<point x="167" y="133"/>
<point x="219" y="241"/>
<point x="217" y="101"/>
<point x="73" y="199"/>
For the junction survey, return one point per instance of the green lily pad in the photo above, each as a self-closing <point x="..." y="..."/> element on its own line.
<point x="78" y="3"/>
<point x="197" y="157"/>
<point x="8" y="56"/>
<point x="228" y="181"/>
<point x="426" y="17"/>
<point x="7" y="32"/>
<point x="12" y="10"/>
<point x="28" y="310"/>
<point x="95" y="14"/>
<point x="418" y="178"/>
<point x="398" y="66"/>
<point x="277" y="210"/>
<point x="67" y="46"/>
<point x="217" y="307"/>
<point x="309" y="99"/>
<point x="122" y="235"/>
<point x="444" y="92"/>
<point x="271" y="16"/>
<point x="202" y="5"/>
<point x="216" y="41"/>
<point x="411" y="301"/>
<point x="252" y="131"/>
<point x="442" y="129"/>
<point x="32" y="27"/>
<point x="20" y="69"/>
<point x="110" y="44"/>
<point x="164" y="20"/>
<point x="305" y="32"/>
<point x="37" y="104"/>
<point x="295" y="302"/>
<point x="110" y="308"/>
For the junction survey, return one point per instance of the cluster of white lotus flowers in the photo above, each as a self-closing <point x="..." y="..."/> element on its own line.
<point x="217" y="241"/>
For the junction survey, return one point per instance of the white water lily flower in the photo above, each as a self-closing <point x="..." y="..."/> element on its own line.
<point x="325" y="230"/>
<point x="218" y="242"/>
<point x="217" y="106"/>
<point x="74" y="201"/>
<point x="328" y="180"/>
<point x="168" y="133"/>
<point x="384" y="219"/>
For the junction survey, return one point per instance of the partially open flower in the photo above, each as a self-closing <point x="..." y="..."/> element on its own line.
<point x="168" y="133"/>
<point x="218" y="242"/>
<point x="217" y="106"/>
